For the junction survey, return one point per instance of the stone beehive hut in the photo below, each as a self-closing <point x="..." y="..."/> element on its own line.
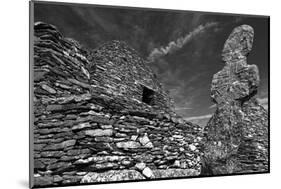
<point x="237" y="135"/>
<point x="120" y="70"/>
<point x="102" y="115"/>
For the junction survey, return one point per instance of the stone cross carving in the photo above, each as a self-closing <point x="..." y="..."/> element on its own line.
<point x="239" y="126"/>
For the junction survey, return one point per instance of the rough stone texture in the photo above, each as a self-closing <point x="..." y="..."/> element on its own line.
<point x="147" y="172"/>
<point x="140" y="166"/>
<point x="100" y="112"/>
<point x="120" y="175"/>
<point x="118" y="67"/>
<point x="174" y="173"/>
<point x="236" y="137"/>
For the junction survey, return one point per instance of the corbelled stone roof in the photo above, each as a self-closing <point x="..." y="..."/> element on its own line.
<point x="91" y="123"/>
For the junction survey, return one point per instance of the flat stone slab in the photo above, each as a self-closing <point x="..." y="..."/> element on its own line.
<point x="118" y="175"/>
<point x="174" y="173"/>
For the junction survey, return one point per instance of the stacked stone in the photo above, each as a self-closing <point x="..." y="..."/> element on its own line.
<point x="59" y="61"/>
<point x="124" y="72"/>
<point x="84" y="132"/>
<point x="81" y="142"/>
<point x="237" y="135"/>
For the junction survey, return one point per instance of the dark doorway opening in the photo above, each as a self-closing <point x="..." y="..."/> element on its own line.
<point x="147" y="95"/>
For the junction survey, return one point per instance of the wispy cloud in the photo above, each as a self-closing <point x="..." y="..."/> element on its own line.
<point x="198" y="117"/>
<point x="183" y="108"/>
<point x="212" y="106"/>
<point x="180" y="42"/>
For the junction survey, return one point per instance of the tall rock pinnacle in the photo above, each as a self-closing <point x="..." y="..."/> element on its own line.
<point x="236" y="137"/>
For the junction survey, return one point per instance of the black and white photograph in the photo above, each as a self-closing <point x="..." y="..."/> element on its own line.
<point x="125" y="94"/>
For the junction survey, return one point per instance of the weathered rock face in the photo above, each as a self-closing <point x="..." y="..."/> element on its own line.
<point x="236" y="137"/>
<point x="96" y="119"/>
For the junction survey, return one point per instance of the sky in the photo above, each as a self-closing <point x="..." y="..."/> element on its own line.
<point x="182" y="47"/>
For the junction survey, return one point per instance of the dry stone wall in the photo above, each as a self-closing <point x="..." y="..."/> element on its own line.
<point x="87" y="131"/>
